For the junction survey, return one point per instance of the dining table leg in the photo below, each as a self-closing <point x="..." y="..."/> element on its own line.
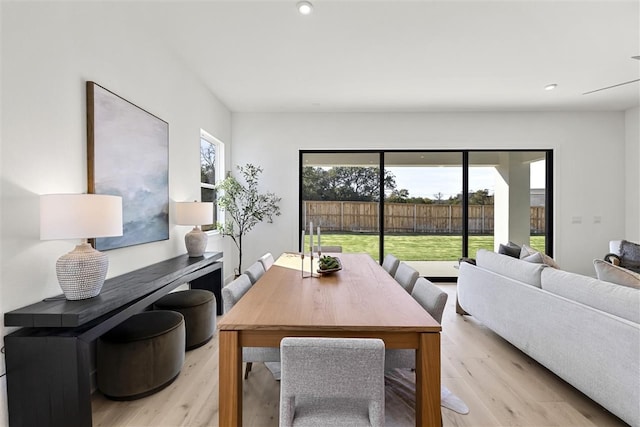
<point x="428" y="413"/>
<point x="230" y="380"/>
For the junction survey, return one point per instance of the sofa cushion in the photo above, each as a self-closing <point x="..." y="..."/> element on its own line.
<point x="512" y="268"/>
<point x="621" y="301"/>
<point x="614" y="274"/>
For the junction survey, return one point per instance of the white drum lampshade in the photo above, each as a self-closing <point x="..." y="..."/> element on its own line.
<point x="81" y="272"/>
<point x="196" y="214"/>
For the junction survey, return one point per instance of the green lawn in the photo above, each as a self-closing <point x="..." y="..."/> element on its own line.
<point x="416" y="247"/>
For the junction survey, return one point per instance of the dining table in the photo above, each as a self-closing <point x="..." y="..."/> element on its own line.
<point x="361" y="300"/>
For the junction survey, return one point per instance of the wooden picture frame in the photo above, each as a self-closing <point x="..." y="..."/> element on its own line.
<point x="128" y="156"/>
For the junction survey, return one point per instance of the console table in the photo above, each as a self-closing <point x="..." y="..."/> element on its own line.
<point x="49" y="360"/>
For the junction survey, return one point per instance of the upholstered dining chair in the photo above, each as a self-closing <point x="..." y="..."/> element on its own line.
<point x="390" y="264"/>
<point x="255" y="271"/>
<point x="231" y="294"/>
<point x="266" y="260"/>
<point x="406" y="276"/>
<point x="332" y="382"/>
<point x="235" y="290"/>
<point x="433" y="300"/>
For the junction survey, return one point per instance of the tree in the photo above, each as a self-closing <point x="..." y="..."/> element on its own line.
<point x="481" y="197"/>
<point x="399" y="196"/>
<point x="207" y="163"/>
<point x="244" y="207"/>
<point x="438" y="197"/>
<point x="344" y="183"/>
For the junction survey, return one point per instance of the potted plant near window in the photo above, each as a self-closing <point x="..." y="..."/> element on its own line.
<point x="244" y="206"/>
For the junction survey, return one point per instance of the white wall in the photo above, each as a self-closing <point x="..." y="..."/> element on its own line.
<point x="49" y="50"/>
<point x="589" y="154"/>
<point x="632" y="181"/>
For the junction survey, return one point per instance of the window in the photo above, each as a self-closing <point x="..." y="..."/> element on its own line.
<point x="211" y="171"/>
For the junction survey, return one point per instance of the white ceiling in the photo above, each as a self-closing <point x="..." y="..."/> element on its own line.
<point x="407" y="55"/>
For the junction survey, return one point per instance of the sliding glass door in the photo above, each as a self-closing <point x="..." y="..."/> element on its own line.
<point x="428" y="208"/>
<point x="340" y="193"/>
<point x="507" y="199"/>
<point x="423" y="215"/>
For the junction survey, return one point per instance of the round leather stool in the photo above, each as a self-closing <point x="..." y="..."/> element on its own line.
<point x="141" y="356"/>
<point x="198" y="306"/>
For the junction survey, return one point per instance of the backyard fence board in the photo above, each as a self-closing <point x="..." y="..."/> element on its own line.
<point x="407" y="218"/>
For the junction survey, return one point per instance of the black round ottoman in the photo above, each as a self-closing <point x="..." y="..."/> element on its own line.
<point x="198" y="306"/>
<point x="141" y="356"/>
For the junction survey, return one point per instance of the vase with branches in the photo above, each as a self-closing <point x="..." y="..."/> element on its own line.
<point x="244" y="206"/>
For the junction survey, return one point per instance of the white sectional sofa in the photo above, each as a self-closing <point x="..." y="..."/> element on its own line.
<point x="585" y="330"/>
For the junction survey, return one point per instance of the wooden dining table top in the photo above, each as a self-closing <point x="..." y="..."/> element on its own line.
<point x="360" y="297"/>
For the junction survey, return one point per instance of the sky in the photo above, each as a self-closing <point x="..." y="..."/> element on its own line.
<point x="426" y="182"/>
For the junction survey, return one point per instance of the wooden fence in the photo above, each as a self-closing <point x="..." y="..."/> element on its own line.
<point x="407" y="218"/>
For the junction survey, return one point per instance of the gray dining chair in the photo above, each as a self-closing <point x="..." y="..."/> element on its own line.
<point x="332" y="381"/>
<point x="255" y="272"/>
<point x="390" y="264"/>
<point x="266" y="260"/>
<point x="406" y="276"/>
<point x="231" y="294"/>
<point x="433" y="300"/>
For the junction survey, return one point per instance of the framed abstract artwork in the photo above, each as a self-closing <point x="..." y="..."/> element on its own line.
<point x="128" y="156"/>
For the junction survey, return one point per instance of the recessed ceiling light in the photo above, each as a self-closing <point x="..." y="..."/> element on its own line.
<point x="551" y="86"/>
<point x="305" y="7"/>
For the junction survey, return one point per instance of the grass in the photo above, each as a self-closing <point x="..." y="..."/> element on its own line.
<point x="416" y="247"/>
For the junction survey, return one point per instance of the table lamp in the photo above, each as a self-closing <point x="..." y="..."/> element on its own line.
<point x="196" y="214"/>
<point x="81" y="272"/>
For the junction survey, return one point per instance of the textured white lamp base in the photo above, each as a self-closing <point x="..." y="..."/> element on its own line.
<point x="81" y="272"/>
<point x="196" y="242"/>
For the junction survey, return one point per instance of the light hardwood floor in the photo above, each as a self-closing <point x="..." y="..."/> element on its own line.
<point x="501" y="386"/>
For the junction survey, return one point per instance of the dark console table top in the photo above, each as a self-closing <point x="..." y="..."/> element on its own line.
<point x="117" y="292"/>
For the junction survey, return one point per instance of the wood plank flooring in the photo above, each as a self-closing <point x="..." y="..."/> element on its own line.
<point x="501" y="386"/>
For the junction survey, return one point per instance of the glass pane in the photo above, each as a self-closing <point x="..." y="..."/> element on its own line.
<point x="423" y="211"/>
<point x="340" y="193"/>
<point x="209" y="195"/>
<point x="207" y="162"/>
<point x="538" y="204"/>
<point x="506" y="199"/>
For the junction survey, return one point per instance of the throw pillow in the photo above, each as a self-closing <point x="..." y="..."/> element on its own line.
<point x="529" y="254"/>
<point x="510" y="249"/>
<point x="630" y="255"/>
<point x="534" y="258"/>
<point x="526" y="251"/>
<point x="614" y="274"/>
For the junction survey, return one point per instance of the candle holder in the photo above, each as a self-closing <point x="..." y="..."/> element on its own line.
<point x="306" y="276"/>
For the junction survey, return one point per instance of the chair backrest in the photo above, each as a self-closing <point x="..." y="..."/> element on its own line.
<point x="335" y="369"/>
<point x="430" y="297"/>
<point x="266" y="260"/>
<point x="255" y="271"/>
<point x="328" y="249"/>
<point x="406" y="276"/>
<point x="232" y="293"/>
<point x="390" y="264"/>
